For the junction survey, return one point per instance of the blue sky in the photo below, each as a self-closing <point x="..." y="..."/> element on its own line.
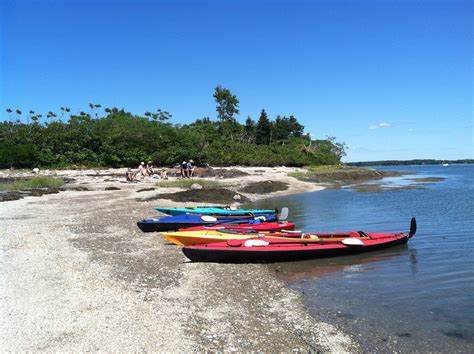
<point x="392" y="79"/>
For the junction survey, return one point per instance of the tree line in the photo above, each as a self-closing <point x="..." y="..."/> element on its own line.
<point x="113" y="137"/>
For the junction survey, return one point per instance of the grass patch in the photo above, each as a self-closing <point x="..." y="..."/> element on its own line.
<point x="325" y="169"/>
<point x="32" y="183"/>
<point x="187" y="183"/>
<point x="298" y="174"/>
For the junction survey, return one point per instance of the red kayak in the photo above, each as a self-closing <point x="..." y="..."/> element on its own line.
<point x="270" y="250"/>
<point x="264" y="226"/>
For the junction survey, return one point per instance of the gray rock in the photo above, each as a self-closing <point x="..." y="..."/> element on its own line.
<point x="196" y="186"/>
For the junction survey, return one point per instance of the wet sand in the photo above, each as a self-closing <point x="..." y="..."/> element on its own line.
<point x="77" y="274"/>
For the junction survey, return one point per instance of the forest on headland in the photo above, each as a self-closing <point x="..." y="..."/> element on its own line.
<point x="113" y="137"/>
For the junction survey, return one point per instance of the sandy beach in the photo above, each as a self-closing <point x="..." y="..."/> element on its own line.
<point x="78" y="275"/>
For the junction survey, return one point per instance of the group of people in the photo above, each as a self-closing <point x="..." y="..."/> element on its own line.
<point x="145" y="170"/>
<point x="187" y="169"/>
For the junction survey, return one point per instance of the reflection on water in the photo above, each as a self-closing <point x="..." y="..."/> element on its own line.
<point x="413" y="260"/>
<point x="416" y="297"/>
<point x="310" y="269"/>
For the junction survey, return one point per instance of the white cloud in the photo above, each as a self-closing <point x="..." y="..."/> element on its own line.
<point x="380" y="125"/>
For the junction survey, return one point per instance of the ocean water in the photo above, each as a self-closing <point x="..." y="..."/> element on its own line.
<point x="415" y="297"/>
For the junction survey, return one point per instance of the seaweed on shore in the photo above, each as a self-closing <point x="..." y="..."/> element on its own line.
<point x="15" y="195"/>
<point x="427" y="179"/>
<point x="146" y="189"/>
<point x="374" y="188"/>
<point x="219" y="172"/>
<point x="209" y="195"/>
<point x="112" y="188"/>
<point x="264" y="187"/>
<point x="348" y="175"/>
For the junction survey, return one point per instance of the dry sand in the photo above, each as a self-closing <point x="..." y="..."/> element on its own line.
<point x="78" y="275"/>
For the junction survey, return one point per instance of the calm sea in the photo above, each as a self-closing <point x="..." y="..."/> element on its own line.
<point x="417" y="297"/>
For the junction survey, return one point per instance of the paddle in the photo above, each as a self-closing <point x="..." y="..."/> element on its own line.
<point x="213" y="206"/>
<point x="244" y="220"/>
<point x="225" y="222"/>
<point x="238" y="232"/>
<point x="238" y="243"/>
<point x="208" y="218"/>
<point x="296" y="232"/>
<point x="412" y="227"/>
<point x="283" y="214"/>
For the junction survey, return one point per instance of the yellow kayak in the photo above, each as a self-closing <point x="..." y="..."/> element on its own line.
<point x="189" y="238"/>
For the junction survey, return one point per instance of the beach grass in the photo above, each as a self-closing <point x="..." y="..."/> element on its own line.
<point x="187" y="183"/>
<point x="32" y="183"/>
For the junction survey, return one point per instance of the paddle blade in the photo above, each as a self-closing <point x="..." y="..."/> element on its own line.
<point x="283" y="214"/>
<point x="208" y="218"/>
<point x="412" y="227"/>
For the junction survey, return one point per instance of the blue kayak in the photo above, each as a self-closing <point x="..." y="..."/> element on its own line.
<point x="215" y="211"/>
<point x="173" y="223"/>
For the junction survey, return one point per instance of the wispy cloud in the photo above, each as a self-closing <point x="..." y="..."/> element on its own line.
<point x="380" y="125"/>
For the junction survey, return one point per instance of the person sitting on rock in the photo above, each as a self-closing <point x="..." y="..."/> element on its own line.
<point x="142" y="169"/>
<point x="184" y="169"/>
<point x="190" y="167"/>
<point x="131" y="175"/>
<point x="149" y="169"/>
<point x="164" y="174"/>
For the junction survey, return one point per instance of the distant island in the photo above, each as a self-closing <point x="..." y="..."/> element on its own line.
<point x="409" y="162"/>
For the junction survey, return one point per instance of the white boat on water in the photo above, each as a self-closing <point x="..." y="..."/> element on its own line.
<point x="445" y="164"/>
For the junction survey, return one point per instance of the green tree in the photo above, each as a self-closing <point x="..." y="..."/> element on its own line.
<point x="51" y="115"/>
<point x="337" y="149"/>
<point x="227" y="104"/>
<point x="64" y="110"/>
<point x="94" y="106"/>
<point x="160" y="115"/>
<point x="227" y="107"/>
<point x="248" y="135"/>
<point x="285" y="128"/>
<point x="263" y="130"/>
<point x="18" y="115"/>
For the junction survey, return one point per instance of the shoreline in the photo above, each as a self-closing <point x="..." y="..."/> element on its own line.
<point x="79" y="275"/>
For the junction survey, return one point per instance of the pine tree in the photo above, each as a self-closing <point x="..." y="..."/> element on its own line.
<point x="263" y="130"/>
